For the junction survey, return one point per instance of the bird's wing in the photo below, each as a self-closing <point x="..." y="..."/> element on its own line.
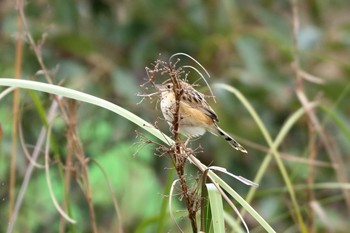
<point x="196" y="100"/>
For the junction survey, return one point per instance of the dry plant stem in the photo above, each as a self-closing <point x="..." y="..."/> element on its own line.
<point x="75" y="148"/>
<point x="204" y="181"/>
<point x="48" y="177"/>
<point x="332" y="151"/>
<point x="15" y="110"/>
<point x="179" y="156"/>
<point x="30" y="169"/>
<point x="37" y="50"/>
<point x="311" y="179"/>
<point x="299" y="88"/>
<point x="67" y="176"/>
<point x="25" y="149"/>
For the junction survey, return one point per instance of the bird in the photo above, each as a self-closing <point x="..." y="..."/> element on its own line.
<point x="196" y="115"/>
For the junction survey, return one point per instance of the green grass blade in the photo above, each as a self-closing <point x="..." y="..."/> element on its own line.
<point x="241" y="201"/>
<point x="83" y="97"/>
<point x="233" y="223"/>
<point x="217" y="208"/>
<point x="281" y="135"/>
<point x="338" y="120"/>
<point x="273" y="149"/>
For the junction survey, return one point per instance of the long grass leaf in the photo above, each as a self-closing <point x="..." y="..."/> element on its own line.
<point x="77" y="95"/>
<point x="69" y="93"/>
<point x="273" y="149"/>
<point x="217" y="208"/>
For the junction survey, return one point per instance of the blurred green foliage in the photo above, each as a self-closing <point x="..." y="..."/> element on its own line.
<point x="103" y="47"/>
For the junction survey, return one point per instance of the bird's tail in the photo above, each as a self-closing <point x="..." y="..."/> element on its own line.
<point x="232" y="141"/>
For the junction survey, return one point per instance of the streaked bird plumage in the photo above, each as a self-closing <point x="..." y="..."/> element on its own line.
<point x="196" y="116"/>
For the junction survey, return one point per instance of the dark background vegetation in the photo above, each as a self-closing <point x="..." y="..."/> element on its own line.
<point x="102" y="48"/>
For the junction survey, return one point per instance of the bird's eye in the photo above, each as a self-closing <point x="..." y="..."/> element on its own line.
<point x="168" y="86"/>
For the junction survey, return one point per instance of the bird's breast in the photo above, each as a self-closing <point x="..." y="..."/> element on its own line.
<point x="167" y="105"/>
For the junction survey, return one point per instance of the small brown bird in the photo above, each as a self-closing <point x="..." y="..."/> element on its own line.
<point x="196" y="116"/>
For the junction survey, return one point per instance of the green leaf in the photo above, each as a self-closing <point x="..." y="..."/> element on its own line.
<point x="217" y="208"/>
